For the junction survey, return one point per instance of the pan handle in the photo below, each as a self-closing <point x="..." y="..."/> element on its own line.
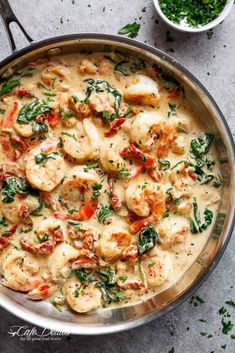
<point x="8" y="17"/>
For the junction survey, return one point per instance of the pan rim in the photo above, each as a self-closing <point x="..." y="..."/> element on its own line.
<point x="62" y="326"/>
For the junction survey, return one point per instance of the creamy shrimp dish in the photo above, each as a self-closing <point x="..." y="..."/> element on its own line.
<point x="109" y="182"/>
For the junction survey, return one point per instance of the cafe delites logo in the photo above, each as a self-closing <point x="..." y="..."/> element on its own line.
<point x="27" y="333"/>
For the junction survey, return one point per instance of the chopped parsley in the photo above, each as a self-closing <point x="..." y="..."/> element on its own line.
<point x="227" y="326"/>
<point x="196" y="300"/>
<point x="194" y="12"/>
<point x="230" y="302"/>
<point x="96" y="191"/>
<point x="90" y="165"/>
<point x="124" y="172"/>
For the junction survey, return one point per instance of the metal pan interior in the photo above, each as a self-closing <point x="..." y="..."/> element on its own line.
<point x="43" y="313"/>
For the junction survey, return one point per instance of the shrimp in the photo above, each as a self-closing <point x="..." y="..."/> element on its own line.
<point x="20" y="270"/>
<point x="6" y="235"/>
<point x="82" y="238"/>
<point x="101" y="102"/>
<point x="141" y="129"/>
<point x="173" y="231"/>
<point x="80" y="109"/>
<point x="179" y="145"/>
<point x="145" y="198"/>
<point x="45" y="166"/>
<point x="82" y="142"/>
<point x="143" y="90"/>
<point x="87" y="67"/>
<point x="19" y="210"/>
<point x="128" y="276"/>
<point x="78" y="187"/>
<point x="11" y="168"/>
<point x="42" y="291"/>
<point x="87" y="259"/>
<point x="49" y="232"/>
<point x="182" y="179"/>
<point x="151" y="133"/>
<point x="55" y="70"/>
<point x="58" y="261"/>
<point x="110" y="158"/>
<point x="105" y="67"/>
<point x="83" y="298"/>
<point x="113" y="241"/>
<point x="78" y="181"/>
<point x="157" y="267"/>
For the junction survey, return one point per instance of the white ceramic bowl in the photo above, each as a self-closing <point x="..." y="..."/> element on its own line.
<point x="187" y="28"/>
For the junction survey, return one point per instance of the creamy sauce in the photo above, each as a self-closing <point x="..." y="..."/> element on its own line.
<point x="97" y="152"/>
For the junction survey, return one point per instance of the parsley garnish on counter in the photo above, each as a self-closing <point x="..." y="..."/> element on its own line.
<point x="131" y="29"/>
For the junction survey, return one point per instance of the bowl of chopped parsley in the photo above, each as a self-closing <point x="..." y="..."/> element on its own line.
<point x="193" y="15"/>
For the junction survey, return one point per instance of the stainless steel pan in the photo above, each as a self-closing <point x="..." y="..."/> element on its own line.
<point x="44" y="314"/>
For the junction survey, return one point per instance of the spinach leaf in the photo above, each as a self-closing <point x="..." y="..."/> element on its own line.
<point x="169" y="82"/>
<point x="84" y="275"/>
<point x="131" y="66"/>
<point x="132" y="29"/>
<point x="101" y="86"/>
<point x="147" y="239"/>
<point x="164" y="164"/>
<point x="195" y="223"/>
<point x="37" y="211"/>
<point x="208" y="217"/>
<point x="3" y="222"/>
<point x="201" y="144"/>
<point x="105" y="280"/>
<point x="107" y="275"/>
<point x="172" y="110"/>
<point x="105" y="212"/>
<point x="110" y="294"/>
<point x="8" y="86"/>
<point x="28" y="71"/>
<point x="217" y="181"/>
<point x="42" y="158"/>
<point x="11" y="187"/>
<point x="30" y="111"/>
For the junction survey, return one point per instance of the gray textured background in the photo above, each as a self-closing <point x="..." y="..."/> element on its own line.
<point x="212" y="61"/>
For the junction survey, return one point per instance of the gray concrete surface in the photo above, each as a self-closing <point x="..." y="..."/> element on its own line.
<point x="212" y="61"/>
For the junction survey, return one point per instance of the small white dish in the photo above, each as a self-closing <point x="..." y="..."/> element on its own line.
<point x="183" y="27"/>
